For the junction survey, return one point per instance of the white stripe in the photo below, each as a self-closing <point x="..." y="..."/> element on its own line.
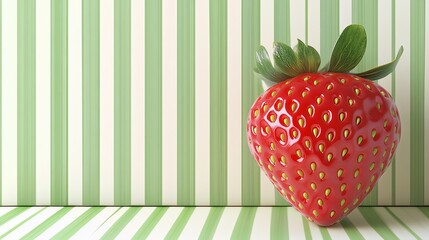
<point x="403" y="103"/>
<point x="345" y="13"/>
<point x="426" y="117"/>
<point x="25" y="228"/>
<point x="137" y="102"/>
<point x="106" y="102"/>
<point x="363" y="226"/>
<point x="99" y="233"/>
<point x="385" y="56"/>
<point x="195" y="224"/>
<point x="9" y="103"/>
<point x="295" y="224"/>
<point x="314" y="24"/>
<point x="261" y="225"/>
<point x="165" y="223"/>
<point x="134" y="225"/>
<point x="43" y="102"/>
<point x="234" y="103"/>
<point x="75" y="102"/>
<point x="169" y="102"/>
<point x="267" y="37"/>
<point x="63" y="222"/>
<point x="202" y="103"/>
<point x="413" y="218"/>
<point x="4" y="210"/>
<point x="315" y="231"/>
<point x="226" y="223"/>
<point x="337" y="232"/>
<point x="18" y="219"/>
<point x="97" y="221"/>
<point x="392" y="224"/>
<point x="297" y="22"/>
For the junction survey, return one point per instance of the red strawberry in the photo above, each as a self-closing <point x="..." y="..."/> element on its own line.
<point x="323" y="138"/>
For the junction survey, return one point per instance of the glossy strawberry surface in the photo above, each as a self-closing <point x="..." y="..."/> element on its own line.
<point x="324" y="140"/>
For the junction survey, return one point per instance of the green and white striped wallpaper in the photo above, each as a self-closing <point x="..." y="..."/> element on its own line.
<point x="133" y="102"/>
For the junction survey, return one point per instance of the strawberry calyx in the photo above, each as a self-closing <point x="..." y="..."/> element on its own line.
<point x="346" y="55"/>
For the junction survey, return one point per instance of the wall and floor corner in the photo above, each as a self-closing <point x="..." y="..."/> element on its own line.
<point x="133" y="102"/>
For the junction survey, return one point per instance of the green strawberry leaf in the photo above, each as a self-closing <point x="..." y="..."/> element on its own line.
<point x="349" y="49"/>
<point x="383" y="70"/>
<point x="308" y="57"/>
<point x="286" y="60"/>
<point x="265" y="67"/>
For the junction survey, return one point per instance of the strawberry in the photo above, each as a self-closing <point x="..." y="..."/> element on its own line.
<point x="323" y="137"/>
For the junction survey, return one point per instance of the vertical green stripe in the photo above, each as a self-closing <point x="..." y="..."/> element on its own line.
<point x="186" y="102"/>
<point x="325" y="233"/>
<point x="91" y="101"/>
<point x="35" y="232"/>
<point x="122" y="102"/>
<point x="119" y="225"/>
<point x="306" y="227"/>
<point x="12" y="214"/>
<point x="26" y="102"/>
<point x="77" y="224"/>
<point x="211" y="223"/>
<point x="251" y="88"/>
<point x="393" y="92"/>
<point x="153" y="102"/>
<point x="281" y="21"/>
<point x="218" y="102"/>
<point x="282" y="34"/>
<point x="59" y="103"/>
<point x="377" y="223"/>
<point x="279" y="224"/>
<point x="21" y="223"/>
<point x="244" y="224"/>
<point x="180" y="223"/>
<point x="351" y="230"/>
<point x="365" y="12"/>
<point x="417" y="100"/>
<point x="329" y="27"/>
<point x="150" y="223"/>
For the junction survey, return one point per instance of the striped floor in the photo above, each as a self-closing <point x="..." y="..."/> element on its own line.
<point x="206" y="223"/>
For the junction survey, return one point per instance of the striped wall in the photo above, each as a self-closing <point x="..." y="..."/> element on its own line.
<point x="133" y="102"/>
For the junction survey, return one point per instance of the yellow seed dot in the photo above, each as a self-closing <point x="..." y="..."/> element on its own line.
<point x="319" y="100"/>
<point x="283" y="160"/>
<point x="279" y="106"/>
<point x="350" y="102"/>
<point x="343" y="201"/>
<point x="294" y="133"/>
<point x="304" y="93"/>
<point x="330" y="86"/>
<point x="256" y="113"/>
<point x="300" y="173"/>
<point x="300" y="206"/>
<point x="381" y="166"/>
<point x="305" y="195"/>
<point x="346" y="210"/>
<point x="342" y="80"/>
<point x="355" y="201"/>
<point x="282" y="137"/>
<point x="374" y="151"/>
<point x="259" y="149"/>
<point x="299" y="153"/>
<point x="306" y="78"/>
<point x="274" y="178"/>
<point x="321" y="175"/>
<point x="358" y="120"/>
<point x="385" y="123"/>
<point x="330" y="136"/>
<point x="272" y="160"/>
<point x="360" y="157"/>
<point x="320" y="202"/>
<point x="358" y="186"/>
<point x="313" y="186"/>
<point x="343" y="187"/>
<point x="272" y="146"/>
<point x="325" y="117"/>
<point x="357" y="91"/>
<point x="284" y="176"/>
<point x="321" y="148"/>
<point x="329" y="156"/>
<point x="292" y="198"/>
<point x="273" y="93"/>
<point x="315" y="213"/>
<point x="316" y="82"/>
<point x="356" y="173"/>
<point x="371" y="166"/>
<point x="307" y="144"/>
<point x="367" y="86"/>
<point x="301" y="122"/>
<point x="255" y="130"/>
<point x="359" y="140"/>
<point x="313" y="166"/>
<point x="367" y="189"/>
<point x="310" y="111"/>
<point x="344" y="152"/>
<point x="327" y="191"/>
<point x="272" y="118"/>
<point x="267" y="129"/>
<point x="342" y="116"/>
<point x="373" y="133"/>
<point x="270" y="167"/>
<point x="310" y="219"/>
<point x="289" y="92"/>
<point x="336" y="100"/>
<point x="291" y="188"/>
<point x="346" y="133"/>
<point x="315" y="132"/>
<point x="378" y="106"/>
<point x="339" y="172"/>
<point x="294" y="106"/>
<point x="286" y="121"/>
<point x="265" y="108"/>
<point x="332" y="213"/>
<point x="386" y="139"/>
<point x="372" y="178"/>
